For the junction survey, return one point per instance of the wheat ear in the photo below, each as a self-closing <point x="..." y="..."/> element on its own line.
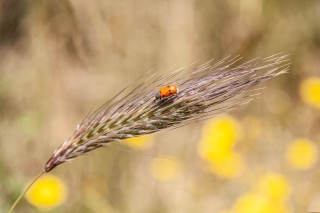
<point x="204" y="92"/>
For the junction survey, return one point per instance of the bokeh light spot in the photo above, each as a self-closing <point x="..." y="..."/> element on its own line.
<point x="47" y="192"/>
<point x="230" y="167"/>
<point x="255" y="203"/>
<point x="218" y="138"/>
<point x="302" y="154"/>
<point x="275" y="186"/>
<point x="310" y="91"/>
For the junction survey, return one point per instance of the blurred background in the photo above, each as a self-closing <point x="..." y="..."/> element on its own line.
<point x="58" y="60"/>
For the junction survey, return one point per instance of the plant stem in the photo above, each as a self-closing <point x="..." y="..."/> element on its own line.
<point x="24" y="191"/>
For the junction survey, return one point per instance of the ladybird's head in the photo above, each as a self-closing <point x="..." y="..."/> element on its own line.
<point x="157" y="95"/>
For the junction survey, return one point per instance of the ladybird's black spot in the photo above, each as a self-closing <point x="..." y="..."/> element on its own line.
<point x="168" y="86"/>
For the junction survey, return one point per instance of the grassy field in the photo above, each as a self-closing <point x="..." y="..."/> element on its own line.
<point x="59" y="60"/>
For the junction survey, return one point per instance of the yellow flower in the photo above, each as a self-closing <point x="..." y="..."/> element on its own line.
<point x="268" y="196"/>
<point x="165" y="169"/>
<point x="274" y="186"/>
<point x="310" y="91"/>
<point x="302" y="154"/>
<point x="218" y="137"/>
<point x="255" y="203"/>
<point x="141" y="142"/>
<point x="230" y="167"/>
<point x="47" y="192"/>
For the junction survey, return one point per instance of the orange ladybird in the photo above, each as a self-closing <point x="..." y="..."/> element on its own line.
<point x="167" y="91"/>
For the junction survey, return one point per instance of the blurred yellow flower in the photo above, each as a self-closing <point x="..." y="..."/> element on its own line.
<point x="47" y="192"/>
<point x="302" y="154"/>
<point x="255" y="203"/>
<point x="165" y="169"/>
<point x="141" y="142"/>
<point x="218" y="137"/>
<point x="230" y="167"/>
<point x="274" y="186"/>
<point x="310" y="91"/>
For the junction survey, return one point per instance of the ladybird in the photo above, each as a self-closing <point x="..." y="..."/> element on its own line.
<point x="167" y="91"/>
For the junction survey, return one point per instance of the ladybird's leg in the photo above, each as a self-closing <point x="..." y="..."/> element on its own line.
<point x="157" y="97"/>
<point x="156" y="101"/>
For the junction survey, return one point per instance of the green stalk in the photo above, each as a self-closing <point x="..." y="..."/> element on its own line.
<point x="25" y="191"/>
